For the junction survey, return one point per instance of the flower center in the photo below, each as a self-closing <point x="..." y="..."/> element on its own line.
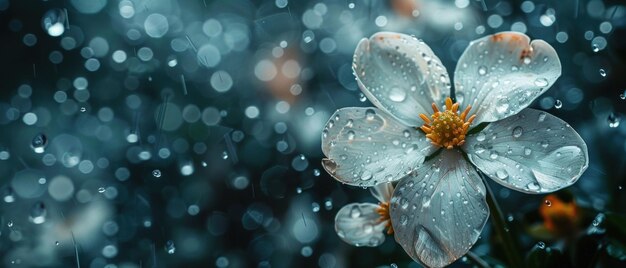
<point x="448" y="128"/>
<point x="383" y="211"/>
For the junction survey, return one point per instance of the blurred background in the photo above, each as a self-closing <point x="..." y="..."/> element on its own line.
<point x="162" y="133"/>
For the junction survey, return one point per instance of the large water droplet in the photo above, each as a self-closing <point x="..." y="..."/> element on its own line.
<point x="38" y="213"/>
<point x="369" y="114"/>
<point x="558" y="104"/>
<point x="502" y="174"/>
<point x="53" y="22"/>
<point x="541" y="82"/>
<point x="397" y="94"/>
<point x="366" y="175"/>
<point x="517" y="131"/>
<point x="351" y="135"/>
<point x="481" y="136"/>
<point x="613" y="120"/>
<point x="39" y="143"/>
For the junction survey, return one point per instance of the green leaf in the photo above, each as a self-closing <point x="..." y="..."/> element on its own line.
<point x="541" y="256"/>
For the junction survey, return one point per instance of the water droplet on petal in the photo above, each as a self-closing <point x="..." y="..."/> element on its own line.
<point x="517" y="131"/>
<point x="397" y="94"/>
<point x="502" y="174"/>
<point x="541" y="82"/>
<point x="482" y="70"/>
<point x="351" y="135"/>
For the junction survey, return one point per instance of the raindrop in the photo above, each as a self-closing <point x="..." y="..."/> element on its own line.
<point x="482" y="70"/>
<point x="595" y="47"/>
<point x="7" y="195"/>
<point x="315" y="207"/>
<point x="316" y="172"/>
<point x="156" y="173"/>
<point x="613" y="120"/>
<point x="369" y="114"/>
<point x="169" y="247"/>
<point x="54" y="22"/>
<point x="526" y="60"/>
<point x="502" y="174"/>
<point x="101" y="190"/>
<point x="83" y="109"/>
<point x="38" y="213"/>
<point x="57" y="243"/>
<point x="542" y="116"/>
<point x="362" y="97"/>
<point x="623" y="95"/>
<point x="224" y="155"/>
<point x="541" y="245"/>
<point x="541" y="82"/>
<point x="548" y="203"/>
<point x="298" y="190"/>
<point x="10" y="224"/>
<point x="328" y="203"/>
<point x="351" y="135"/>
<point x="510" y="218"/>
<point x="517" y="132"/>
<point x="397" y="94"/>
<point x="558" y="104"/>
<point x="602" y="72"/>
<point x="351" y="5"/>
<point x="366" y="175"/>
<point x="39" y="143"/>
<point x="493" y="155"/>
<point x="481" y="136"/>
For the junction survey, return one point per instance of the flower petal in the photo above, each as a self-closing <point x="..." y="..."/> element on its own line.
<point x="366" y="146"/>
<point x="359" y="224"/>
<point x="501" y="74"/>
<point x="532" y="152"/>
<point x="382" y="192"/>
<point x="400" y="75"/>
<point x="438" y="214"/>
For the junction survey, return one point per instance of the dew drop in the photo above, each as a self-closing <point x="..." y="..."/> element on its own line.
<point x="351" y="135"/>
<point x="156" y="173"/>
<point x="315" y="207"/>
<point x="170" y="247"/>
<point x="224" y="155"/>
<point x="542" y="117"/>
<point x="502" y="174"/>
<point x="362" y="97"/>
<point x="526" y="60"/>
<point x="558" y="104"/>
<point x="614" y="120"/>
<point x="396" y="94"/>
<point x="482" y="70"/>
<point x="481" y="136"/>
<point x="316" y="172"/>
<point x="493" y="155"/>
<point x="527" y="151"/>
<point x="541" y="82"/>
<point x="517" y="131"/>
<point x="366" y="175"/>
<point x="38" y="213"/>
<point x="369" y="114"/>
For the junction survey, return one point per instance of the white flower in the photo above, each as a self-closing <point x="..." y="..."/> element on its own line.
<point x="438" y="208"/>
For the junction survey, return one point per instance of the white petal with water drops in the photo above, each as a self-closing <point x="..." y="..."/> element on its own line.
<point x="366" y="146"/>
<point x="358" y="224"/>
<point x="501" y="74"/>
<point x="535" y="152"/>
<point x="401" y="75"/>
<point x="382" y="192"/>
<point x="438" y="214"/>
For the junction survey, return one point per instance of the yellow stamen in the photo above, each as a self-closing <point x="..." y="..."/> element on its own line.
<point x="447" y="128"/>
<point x="383" y="211"/>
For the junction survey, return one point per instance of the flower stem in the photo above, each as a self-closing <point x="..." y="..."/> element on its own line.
<point x="497" y="219"/>
<point x="477" y="260"/>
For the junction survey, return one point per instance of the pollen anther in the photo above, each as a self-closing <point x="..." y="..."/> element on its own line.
<point x="383" y="211"/>
<point x="447" y="128"/>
